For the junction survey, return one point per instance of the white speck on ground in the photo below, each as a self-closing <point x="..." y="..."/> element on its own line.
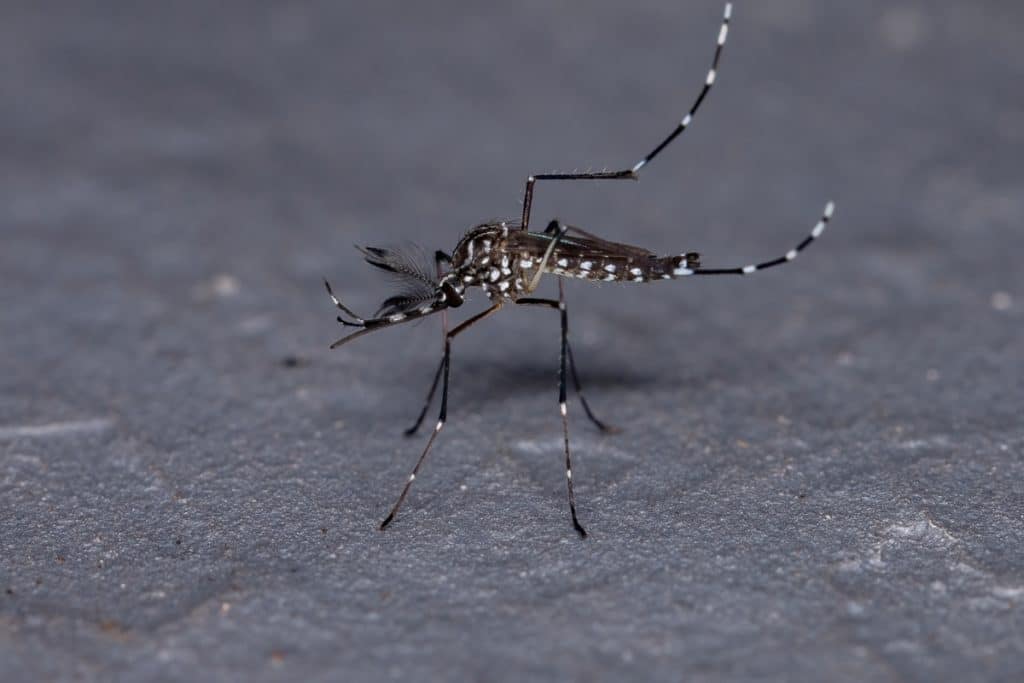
<point x="1002" y="301"/>
<point x="55" y="428"/>
<point x="903" y="28"/>
<point x="219" y="286"/>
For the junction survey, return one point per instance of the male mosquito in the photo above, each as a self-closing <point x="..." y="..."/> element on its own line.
<point x="507" y="261"/>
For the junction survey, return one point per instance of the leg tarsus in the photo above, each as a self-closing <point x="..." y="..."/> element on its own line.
<point x="633" y="173"/>
<point x="576" y="524"/>
<point x="426" y="405"/>
<point x="562" y="407"/>
<point x="603" y="427"/>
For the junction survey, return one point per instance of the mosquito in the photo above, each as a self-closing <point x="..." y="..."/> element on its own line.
<point x="507" y="260"/>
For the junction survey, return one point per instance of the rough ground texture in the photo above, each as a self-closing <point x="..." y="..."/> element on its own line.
<point x="820" y="475"/>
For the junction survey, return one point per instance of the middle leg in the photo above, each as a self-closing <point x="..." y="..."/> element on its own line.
<point x="560" y="305"/>
<point x="577" y="384"/>
<point x="603" y="426"/>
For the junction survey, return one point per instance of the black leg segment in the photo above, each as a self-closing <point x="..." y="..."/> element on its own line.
<point x="632" y="173"/>
<point x="446" y="366"/>
<point x="563" y="409"/>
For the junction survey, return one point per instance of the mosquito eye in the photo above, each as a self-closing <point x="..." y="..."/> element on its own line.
<point x="451" y="297"/>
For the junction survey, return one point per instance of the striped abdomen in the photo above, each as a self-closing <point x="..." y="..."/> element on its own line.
<point x="621" y="267"/>
<point x="588" y="257"/>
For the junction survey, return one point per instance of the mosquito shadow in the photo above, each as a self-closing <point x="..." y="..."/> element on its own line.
<point x="481" y="382"/>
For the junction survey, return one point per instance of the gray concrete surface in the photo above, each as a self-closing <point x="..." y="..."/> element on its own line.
<point x="820" y="473"/>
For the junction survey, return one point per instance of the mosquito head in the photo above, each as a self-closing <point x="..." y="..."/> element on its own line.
<point x="423" y="287"/>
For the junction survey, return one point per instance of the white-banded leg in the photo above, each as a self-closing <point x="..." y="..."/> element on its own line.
<point x="565" y="420"/>
<point x="439" y="258"/>
<point x="446" y="366"/>
<point x="562" y="407"/>
<point x="632" y="173"/>
<point x="559" y="229"/>
<point x="368" y="325"/>
<point x="816" y="232"/>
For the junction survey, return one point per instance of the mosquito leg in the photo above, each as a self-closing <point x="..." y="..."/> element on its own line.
<point x="709" y="81"/>
<point x="430" y="394"/>
<point x="553" y="228"/>
<point x="565" y="418"/>
<point x="626" y="174"/>
<point x="439" y="258"/>
<point x="559" y="231"/>
<point x="358" y="321"/>
<point x="551" y="303"/>
<point x="816" y="232"/>
<point x="632" y="173"/>
<point x="604" y="427"/>
<point x="560" y="305"/>
<point x="446" y="365"/>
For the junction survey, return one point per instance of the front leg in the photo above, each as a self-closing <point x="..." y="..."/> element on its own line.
<point x="446" y="365"/>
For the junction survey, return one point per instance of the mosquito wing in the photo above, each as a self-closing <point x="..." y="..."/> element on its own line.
<point x="580" y="254"/>
<point x="577" y="245"/>
<point x="410" y="269"/>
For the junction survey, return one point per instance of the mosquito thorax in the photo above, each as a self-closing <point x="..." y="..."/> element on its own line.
<point x="483" y="258"/>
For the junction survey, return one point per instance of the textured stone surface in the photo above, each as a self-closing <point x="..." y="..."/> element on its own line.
<point x="820" y="474"/>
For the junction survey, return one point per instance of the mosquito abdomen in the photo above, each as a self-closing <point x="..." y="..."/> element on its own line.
<point x="609" y="268"/>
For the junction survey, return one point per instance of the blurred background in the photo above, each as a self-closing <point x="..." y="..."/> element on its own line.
<point x="828" y="454"/>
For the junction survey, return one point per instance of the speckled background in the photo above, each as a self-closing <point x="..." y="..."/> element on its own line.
<point x="820" y="473"/>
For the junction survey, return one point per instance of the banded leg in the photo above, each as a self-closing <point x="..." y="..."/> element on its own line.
<point x="439" y="258"/>
<point x="557" y="227"/>
<point x="600" y="424"/>
<point x="816" y="232"/>
<point x="446" y="365"/>
<point x="560" y="305"/>
<point x="632" y="173"/>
